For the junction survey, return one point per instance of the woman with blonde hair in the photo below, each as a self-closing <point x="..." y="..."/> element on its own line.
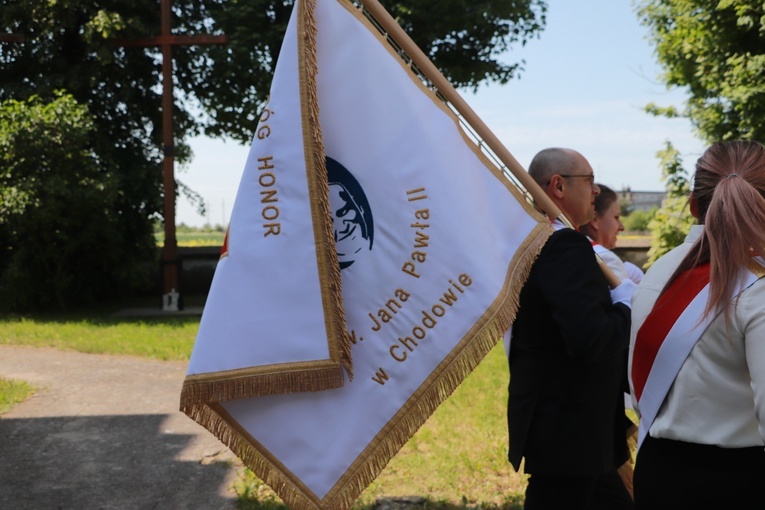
<point x="697" y="346"/>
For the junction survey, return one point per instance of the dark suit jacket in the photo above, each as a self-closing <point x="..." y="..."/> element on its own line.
<point x="567" y="365"/>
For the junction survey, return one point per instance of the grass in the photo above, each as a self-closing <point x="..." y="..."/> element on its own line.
<point x="457" y="460"/>
<point x="169" y="339"/>
<point x="459" y="456"/>
<point x="13" y="392"/>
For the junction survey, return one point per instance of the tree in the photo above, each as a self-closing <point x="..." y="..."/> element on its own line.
<point x="715" y="49"/>
<point x="70" y="45"/>
<point x="672" y="221"/>
<point x="638" y="220"/>
<point x="52" y="190"/>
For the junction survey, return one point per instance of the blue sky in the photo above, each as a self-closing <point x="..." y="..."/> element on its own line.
<point x="585" y="83"/>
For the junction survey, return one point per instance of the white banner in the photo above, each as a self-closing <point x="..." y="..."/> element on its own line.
<point x="433" y="245"/>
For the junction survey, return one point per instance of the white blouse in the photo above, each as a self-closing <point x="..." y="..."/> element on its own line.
<point x="718" y="397"/>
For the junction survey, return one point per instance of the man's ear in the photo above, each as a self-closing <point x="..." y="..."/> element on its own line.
<point x="694" y="203"/>
<point x="556" y="186"/>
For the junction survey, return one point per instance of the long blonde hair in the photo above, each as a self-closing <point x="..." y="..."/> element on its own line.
<point x="729" y="187"/>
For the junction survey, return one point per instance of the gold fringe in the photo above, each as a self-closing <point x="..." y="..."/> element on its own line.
<point x="626" y="470"/>
<point x="275" y="381"/>
<point x="273" y="473"/>
<point x="434" y="391"/>
<point x="329" y="267"/>
<point x="443" y="381"/>
<point x="301" y="376"/>
<point x="473" y="347"/>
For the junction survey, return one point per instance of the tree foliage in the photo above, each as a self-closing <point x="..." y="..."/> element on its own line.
<point x="638" y="220"/>
<point x="71" y="45"/>
<point x="672" y="221"/>
<point x="716" y="50"/>
<point x="53" y="190"/>
<point x="75" y="46"/>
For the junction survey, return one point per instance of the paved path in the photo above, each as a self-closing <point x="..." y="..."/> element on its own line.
<point x="104" y="432"/>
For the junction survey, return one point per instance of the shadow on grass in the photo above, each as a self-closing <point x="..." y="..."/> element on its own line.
<point x="422" y="503"/>
<point x="253" y="494"/>
<point x="408" y="503"/>
<point x="135" y="311"/>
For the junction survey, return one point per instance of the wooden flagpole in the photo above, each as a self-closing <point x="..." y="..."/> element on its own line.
<point x="448" y="91"/>
<point x="422" y="61"/>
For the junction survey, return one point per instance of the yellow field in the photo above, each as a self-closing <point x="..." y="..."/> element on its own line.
<point x="193" y="239"/>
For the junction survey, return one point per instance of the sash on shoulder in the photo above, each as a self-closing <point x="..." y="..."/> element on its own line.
<point x="666" y="338"/>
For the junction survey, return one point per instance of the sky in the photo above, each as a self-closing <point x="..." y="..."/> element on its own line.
<point x="586" y="80"/>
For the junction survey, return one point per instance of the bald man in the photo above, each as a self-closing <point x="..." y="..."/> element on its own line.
<point x="567" y="360"/>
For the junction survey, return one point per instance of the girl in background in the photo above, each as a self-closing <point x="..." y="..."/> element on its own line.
<point x="603" y="231"/>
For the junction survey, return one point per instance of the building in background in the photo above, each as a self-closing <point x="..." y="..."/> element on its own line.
<point x="640" y="200"/>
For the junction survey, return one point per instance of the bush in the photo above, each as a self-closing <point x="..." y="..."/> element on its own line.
<point x="62" y="243"/>
<point x="673" y="220"/>
<point x="637" y="221"/>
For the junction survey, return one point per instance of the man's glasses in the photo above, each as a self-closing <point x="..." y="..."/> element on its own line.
<point x="589" y="177"/>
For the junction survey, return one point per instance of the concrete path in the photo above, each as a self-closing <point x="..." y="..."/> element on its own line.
<point x="104" y="432"/>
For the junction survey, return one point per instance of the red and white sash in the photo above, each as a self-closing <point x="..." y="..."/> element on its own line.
<point x="666" y="338"/>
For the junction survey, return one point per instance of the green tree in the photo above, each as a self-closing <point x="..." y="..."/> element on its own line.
<point x="73" y="45"/>
<point x="54" y="189"/>
<point x="672" y="221"/>
<point x="637" y="221"/>
<point x="70" y="44"/>
<point x="715" y="49"/>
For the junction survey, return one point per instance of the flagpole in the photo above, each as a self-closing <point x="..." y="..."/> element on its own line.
<point x="422" y="61"/>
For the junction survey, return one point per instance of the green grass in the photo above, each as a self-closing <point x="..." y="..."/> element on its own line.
<point x="457" y="460"/>
<point x="13" y="392"/>
<point x="459" y="456"/>
<point x="161" y="338"/>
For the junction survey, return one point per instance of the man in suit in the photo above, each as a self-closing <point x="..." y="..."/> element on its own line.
<point x="567" y="360"/>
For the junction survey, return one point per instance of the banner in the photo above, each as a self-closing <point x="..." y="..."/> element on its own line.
<point x="361" y="173"/>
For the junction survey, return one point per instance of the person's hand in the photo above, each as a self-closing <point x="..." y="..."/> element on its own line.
<point x="623" y="292"/>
